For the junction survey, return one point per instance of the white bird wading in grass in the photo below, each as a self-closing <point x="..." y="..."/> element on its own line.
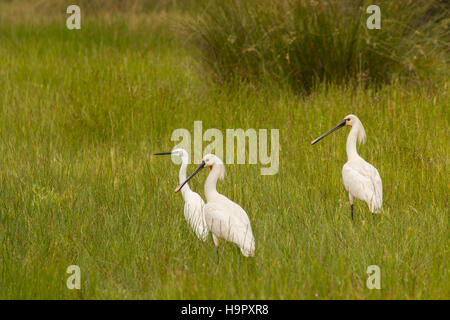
<point x="224" y="218"/>
<point x="361" y="179"/>
<point x="193" y="203"/>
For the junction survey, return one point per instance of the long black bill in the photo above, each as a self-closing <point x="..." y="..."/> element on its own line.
<point x="200" y="167"/>
<point x="340" y="125"/>
<point x="161" y="153"/>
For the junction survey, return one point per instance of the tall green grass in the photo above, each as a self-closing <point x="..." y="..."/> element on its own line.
<point x="81" y="112"/>
<point x="305" y="43"/>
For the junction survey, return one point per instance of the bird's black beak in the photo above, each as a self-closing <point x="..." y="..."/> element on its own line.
<point x="200" y="167"/>
<point x="340" y="125"/>
<point x="161" y="153"/>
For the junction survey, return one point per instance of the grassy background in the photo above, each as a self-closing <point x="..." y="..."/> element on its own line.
<point x="82" y="112"/>
<point x="304" y="43"/>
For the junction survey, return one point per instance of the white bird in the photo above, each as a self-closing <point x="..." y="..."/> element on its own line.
<point x="193" y="203"/>
<point x="224" y="218"/>
<point x="361" y="179"/>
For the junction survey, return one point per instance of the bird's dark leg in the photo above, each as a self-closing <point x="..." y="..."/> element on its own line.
<point x="351" y="207"/>
<point x="218" y="257"/>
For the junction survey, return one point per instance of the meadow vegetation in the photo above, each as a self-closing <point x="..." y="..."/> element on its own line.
<point x="305" y="43"/>
<point x="82" y="111"/>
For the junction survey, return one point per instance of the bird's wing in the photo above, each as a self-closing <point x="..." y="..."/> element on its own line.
<point x="194" y="196"/>
<point x="236" y="210"/>
<point x="194" y="199"/>
<point x="371" y="172"/>
<point x="224" y="224"/>
<point x="363" y="181"/>
<point x="378" y="187"/>
<point x="193" y="206"/>
<point x="193" y="212"/>
<point x="357" y="184"/>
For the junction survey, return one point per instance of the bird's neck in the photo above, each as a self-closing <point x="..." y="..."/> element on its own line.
<point x="211" y="182"/>
<point x="351" y="143"/>
<point x="182" y="175"/>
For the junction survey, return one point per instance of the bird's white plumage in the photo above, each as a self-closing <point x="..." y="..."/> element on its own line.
<point x="361" y="179"/>
<point x="194" y="215"/>
<point x="231" y="224"/>
<point x="225" y="218"/>
<point x="193" y="203"/>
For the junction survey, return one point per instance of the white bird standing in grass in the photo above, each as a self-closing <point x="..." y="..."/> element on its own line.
<point x="193" y="203"/>
<point x="224" y="218"/>
<point x="361" y="179"/>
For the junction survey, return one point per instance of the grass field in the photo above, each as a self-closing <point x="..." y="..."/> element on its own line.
<point x="82" y="111"/>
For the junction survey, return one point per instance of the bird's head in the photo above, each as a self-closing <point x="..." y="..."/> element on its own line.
<point x="210" y="161"/>
<point x="353" y="122"/>
<point x="213" y="161"/>
<point x="179" y="152"/>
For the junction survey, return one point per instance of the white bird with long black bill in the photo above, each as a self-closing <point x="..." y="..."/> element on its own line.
<point x="193" y="203"/>
<point x="224" y="218"/>
<point x="361" y="179"/>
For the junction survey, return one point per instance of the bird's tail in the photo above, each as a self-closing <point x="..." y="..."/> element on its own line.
<point x="249" y="251"/>
<point x="248" y="245"/>
<point x="375" y="204"/>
